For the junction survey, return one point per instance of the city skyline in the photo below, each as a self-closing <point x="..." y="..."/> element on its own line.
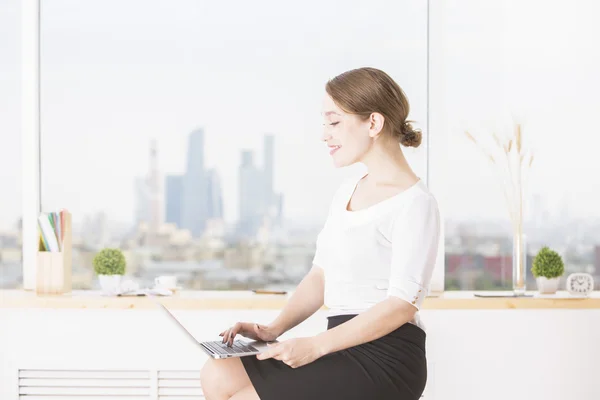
<point x="200" y="73"/>
<point x="167" y="72"/>
<point x="191" y="199"/>
<point x="183" y="82"/>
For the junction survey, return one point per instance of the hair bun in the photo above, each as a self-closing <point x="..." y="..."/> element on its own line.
<point x="410" y="137"/>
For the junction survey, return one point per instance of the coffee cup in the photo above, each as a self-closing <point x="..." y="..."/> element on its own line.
<point x="166" y="282"/>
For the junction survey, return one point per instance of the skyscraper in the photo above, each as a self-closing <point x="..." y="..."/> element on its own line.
<point x="154" y="188"/>
<point x="174" y="195"/>
<point x="142" y="210"/>
<point x="251" y="192"/>
<point x="215" y="197"/>
<point x="195" y="153"/>
<point x="268" y="169"/>
<point x="257" y="200"/>
<point x="195" y="196"/>
<point x="195" y="201"/>
<point x="147" y="193"/>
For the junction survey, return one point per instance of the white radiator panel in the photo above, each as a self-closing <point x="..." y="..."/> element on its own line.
<point x="84" y="385"/>
<point x="68" y="397"/>
<point x="179" y="385"/>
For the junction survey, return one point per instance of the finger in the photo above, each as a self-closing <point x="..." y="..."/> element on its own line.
<point x="233" y="334"/>
<point x="229" y="335"/>
<point x="264" y="355"/>
<point x="226" y="335"/>
<point x="231" y="339"/>
<point x="274" y="348"/>
<point x="289" y="361"/>
<point x="234" y="331"/>
<point x="271" y="353"/>
<point x="237" y="328"/>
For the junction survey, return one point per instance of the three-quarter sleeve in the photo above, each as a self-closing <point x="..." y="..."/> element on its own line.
<point x="415" y="240"/>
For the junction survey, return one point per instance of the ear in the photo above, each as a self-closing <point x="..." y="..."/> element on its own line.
<point x="376" y="121"/>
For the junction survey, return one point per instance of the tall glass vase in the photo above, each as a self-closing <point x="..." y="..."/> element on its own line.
<point x="519" y="263"/>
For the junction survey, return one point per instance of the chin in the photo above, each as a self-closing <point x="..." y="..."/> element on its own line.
<point x="344" y="158"/>
<point x="341" y="163"/>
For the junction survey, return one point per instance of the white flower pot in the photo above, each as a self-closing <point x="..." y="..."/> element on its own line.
<point x="547" y="285"/>
<point x="110" y="284"/>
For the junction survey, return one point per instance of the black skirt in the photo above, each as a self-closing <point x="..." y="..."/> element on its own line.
<point x="391" y="367"/>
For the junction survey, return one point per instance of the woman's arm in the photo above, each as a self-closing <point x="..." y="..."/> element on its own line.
<point x="372" y="324"/>
<point x="306" y="300"/>
<point x="378" y="321"/>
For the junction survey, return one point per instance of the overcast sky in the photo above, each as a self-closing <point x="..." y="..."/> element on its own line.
<point x="119" y="73"/>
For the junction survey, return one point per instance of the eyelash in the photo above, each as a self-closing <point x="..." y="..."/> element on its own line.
<point x="334" y="123"/>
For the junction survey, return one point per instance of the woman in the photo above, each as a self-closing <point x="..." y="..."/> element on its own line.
<point x="372" y="267"/>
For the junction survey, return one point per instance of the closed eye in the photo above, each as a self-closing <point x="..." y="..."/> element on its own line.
<point x="334" y="123"/>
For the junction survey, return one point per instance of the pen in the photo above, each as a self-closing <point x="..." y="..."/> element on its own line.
<point x="260" y="291"/>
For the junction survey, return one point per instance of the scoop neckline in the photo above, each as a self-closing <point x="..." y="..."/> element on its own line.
<point x="379" y="204"/>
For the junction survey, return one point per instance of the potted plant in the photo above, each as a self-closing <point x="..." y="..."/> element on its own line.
<point x="109" y="264"/>
<point x="547" y="269"/>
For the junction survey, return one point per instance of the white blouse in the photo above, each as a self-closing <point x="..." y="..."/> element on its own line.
<point x="387" y="249"/>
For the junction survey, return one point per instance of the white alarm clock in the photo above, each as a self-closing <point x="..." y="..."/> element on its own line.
<point x="580" y="284"/>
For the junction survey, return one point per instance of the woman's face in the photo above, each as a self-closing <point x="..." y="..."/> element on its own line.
<point x="346" y="135"/>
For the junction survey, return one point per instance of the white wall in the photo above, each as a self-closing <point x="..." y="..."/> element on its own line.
<point x="500" y="354"/>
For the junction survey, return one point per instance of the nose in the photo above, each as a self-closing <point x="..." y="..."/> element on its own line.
<point x="325" y="136"/>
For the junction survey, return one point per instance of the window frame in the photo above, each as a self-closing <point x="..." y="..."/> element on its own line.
<point x="30" y="136"/>
<point x="31" y="130"/>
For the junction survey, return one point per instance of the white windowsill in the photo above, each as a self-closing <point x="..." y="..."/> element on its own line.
<point x="203" y="300"/>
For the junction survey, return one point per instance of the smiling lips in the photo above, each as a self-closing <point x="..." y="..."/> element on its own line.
<point x="333" y="149"/>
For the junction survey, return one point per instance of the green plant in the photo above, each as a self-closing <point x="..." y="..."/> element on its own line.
<point x="547" y="263"/>
<point x="109" y="262"/>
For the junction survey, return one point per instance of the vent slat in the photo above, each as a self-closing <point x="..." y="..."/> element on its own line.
<point x="179" y="374"/>
<point x="170" y="391"/>
<point x="181" y="398"/>
<point x="47" y="384"/>
<point x="89" y="391"/>
<point x="81" y="382"/>
<point x="83" y="374"/>
<point x="190" y="383"/>
<point x="95" y="397"/>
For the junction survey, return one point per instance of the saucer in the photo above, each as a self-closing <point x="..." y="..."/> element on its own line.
<point x="174" y="289"/>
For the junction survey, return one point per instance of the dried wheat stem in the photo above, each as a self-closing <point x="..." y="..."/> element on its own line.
<point x="518" y="138"/>
<point x="513" y="189"/>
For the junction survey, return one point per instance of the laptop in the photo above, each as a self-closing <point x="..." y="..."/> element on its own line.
<point x="217" y="349"/>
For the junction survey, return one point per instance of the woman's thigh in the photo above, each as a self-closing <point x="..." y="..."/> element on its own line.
<point x="223" y="378"/>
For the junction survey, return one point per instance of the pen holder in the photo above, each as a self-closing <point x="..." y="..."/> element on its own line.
<point x="53" y="273"/>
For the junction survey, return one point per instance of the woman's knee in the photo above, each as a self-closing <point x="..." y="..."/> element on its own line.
<point x="221" y="379"/>
<point x="211" y="380"/>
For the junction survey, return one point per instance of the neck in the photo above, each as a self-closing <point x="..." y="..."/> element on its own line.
<point x="386" y="164"/>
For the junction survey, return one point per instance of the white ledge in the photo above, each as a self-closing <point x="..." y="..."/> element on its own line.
<point x="248" y="300"/>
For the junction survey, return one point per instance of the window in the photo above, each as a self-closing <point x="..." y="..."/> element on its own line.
<point x="10" y="147"/>
<point x="498" y="66"/>
<point x="189" y="136"/>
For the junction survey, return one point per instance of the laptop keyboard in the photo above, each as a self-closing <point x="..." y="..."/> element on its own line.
<point x="236" y="348"/>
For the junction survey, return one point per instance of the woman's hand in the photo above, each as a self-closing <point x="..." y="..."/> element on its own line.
<point x="250" y="330"/>
<point x="294" y="352"/>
